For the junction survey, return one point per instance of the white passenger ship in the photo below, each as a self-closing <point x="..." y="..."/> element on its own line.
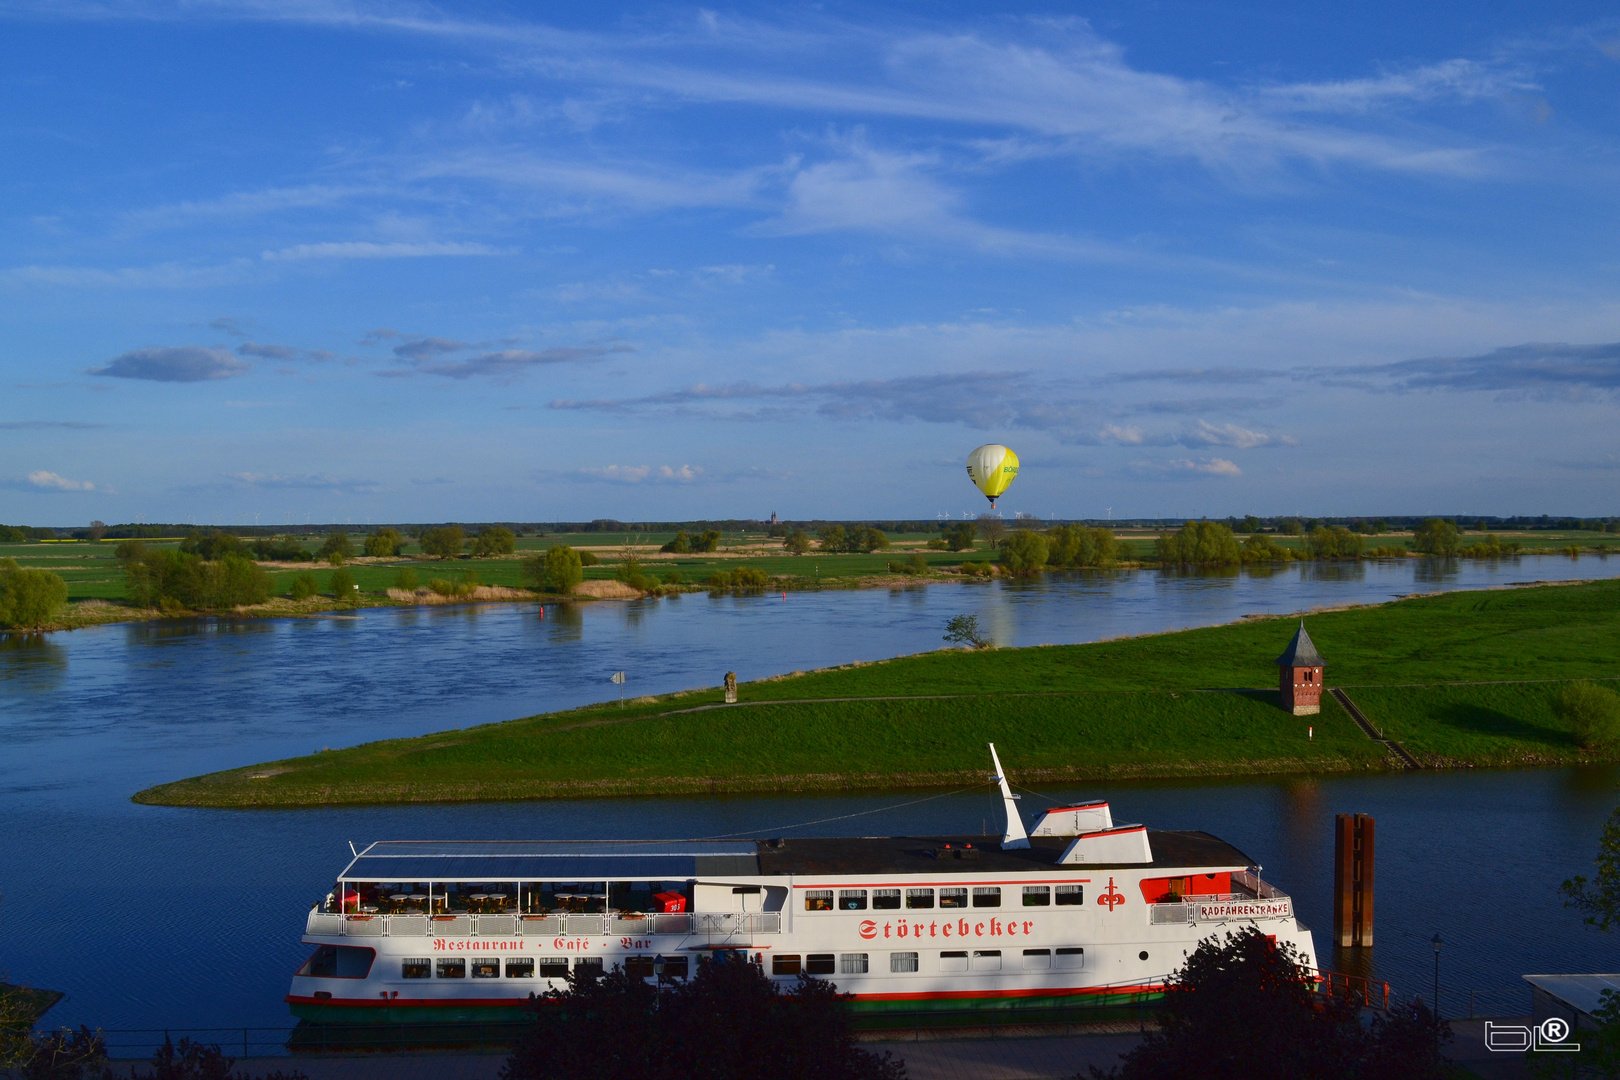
<point x="1078" y="909"/>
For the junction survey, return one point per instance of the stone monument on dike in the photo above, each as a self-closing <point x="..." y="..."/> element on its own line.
<point x="1299" y="675"/>
<point x="731" y="688"/>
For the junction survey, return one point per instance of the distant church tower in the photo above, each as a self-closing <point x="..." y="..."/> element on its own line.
<point x="1299" y="675"/>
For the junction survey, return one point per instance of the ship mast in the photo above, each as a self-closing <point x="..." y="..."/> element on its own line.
<point x="1016" y="837"/>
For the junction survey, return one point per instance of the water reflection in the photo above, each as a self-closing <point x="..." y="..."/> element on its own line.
<point x="1437" y="571"/>
<point x="32" y="662"/>
<point x="1334" y="571"/>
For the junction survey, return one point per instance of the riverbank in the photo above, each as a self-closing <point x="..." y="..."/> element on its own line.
<point x="1461" y="680"/>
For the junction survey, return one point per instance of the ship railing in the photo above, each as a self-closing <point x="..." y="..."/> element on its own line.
<point x="1371" y="993"/>
<point x="1262" y="890"/>
<point x="713" y="924"/>
<point x="1222" y="908"/>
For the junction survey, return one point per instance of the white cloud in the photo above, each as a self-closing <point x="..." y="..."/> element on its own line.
<point x="49" y="481"/>
<point x="184" y="363"/>
<point x="1185" y="467"/>
<point x="640" y="474"/>
<point x="1207" y="434"/>
<point x="360" y="249"/>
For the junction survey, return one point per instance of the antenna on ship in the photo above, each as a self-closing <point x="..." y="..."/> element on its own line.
<point x="1015" y="837"/>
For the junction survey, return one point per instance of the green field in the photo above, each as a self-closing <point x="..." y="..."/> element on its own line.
<point x="1462" y="679"/>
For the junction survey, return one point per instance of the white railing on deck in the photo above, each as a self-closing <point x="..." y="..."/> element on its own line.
<point x="712" y="924"/>
<point x="1231" y="907"/>
<point x="1262" y="889"/>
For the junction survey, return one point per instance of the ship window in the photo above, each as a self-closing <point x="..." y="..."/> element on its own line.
<point x="785" y="965"/>
<point x="1037" y="959"/>
<point x="818" y="900"/>
<point x="638" y="967"/>
<point x="851" y="899"/>
<point x="1070" y="895"/>
<point x="416" y="967"/>
<point x="452" y="967"/>
<point x="553" y="967"/>
<point x="1037" y="896"/>
<point x="952" y="898"/>
<point x="588" y="965"/>
<point x="820" y="964"/>
<point x="987" y="960"/>
<point x="339" y="962"/>
<point x="919" y="898"/>
<point x="886" y="899"/>
<point x="486" y="967"/>
<point x="852" y="963"/>
<point x="1070" y="959"/>
<point x="953" y="961"/>
<point x="987" y="896"/>
<point x="674" y="967"/>
<point x="520" y="967"/>
<point x="902" y="963"/>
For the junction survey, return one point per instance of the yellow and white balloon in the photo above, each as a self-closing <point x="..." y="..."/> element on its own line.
<point x="992" y="468"/>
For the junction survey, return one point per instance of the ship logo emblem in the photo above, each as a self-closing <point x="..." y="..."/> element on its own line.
<point x="1111" y="897"/>
<point x="868" y="929"/>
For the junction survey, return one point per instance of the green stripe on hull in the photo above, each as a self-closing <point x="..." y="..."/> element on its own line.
<point x="410" y="1014"/>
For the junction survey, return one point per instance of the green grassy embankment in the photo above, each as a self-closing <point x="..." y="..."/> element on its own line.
<point x="1462" y="679"/>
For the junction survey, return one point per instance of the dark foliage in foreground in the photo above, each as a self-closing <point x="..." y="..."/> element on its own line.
<point x="1242" y="1010"/>
<point x="729" y="1022"/>
<point x="82" y="1055"/>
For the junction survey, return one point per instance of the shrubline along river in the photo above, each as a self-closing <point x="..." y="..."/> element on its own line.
<point x="154" y="917"/>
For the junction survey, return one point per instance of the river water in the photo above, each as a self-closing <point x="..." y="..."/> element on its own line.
<point x="153" y="917"/>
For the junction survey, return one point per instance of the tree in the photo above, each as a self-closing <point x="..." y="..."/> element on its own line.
<point x="212" y="545"/>
<point x="1199" y="543"/>
<point x="29" y="597"/>
<point x="494" y="540"/>
<point x="992" y="528"/>
<point x="1333" y="542"/>
<point x="631" y="573"/>
<point x="708" y="540"/>
<point x="303" y="586"/>
<point x="729" y="1022"/>
<point x="866" y="539"/>
<point x="444" y="542"/>
<point x="175" y="580"/>
<point x="272" y="549"/>
<point x="1591" y="711"/>
<point x="1251" y="524"/>
<point x="1245" y="1007"/>
<point x="1024" y="553"/>
<point x="384" y="544"/>
<point x="832" y="538"/>
<point x="797" y="542"/>
<point x="964" y="630"/>
<point x="959" y="535"/>
<point x="1260" y="548"/>
<point x="338" y="549"/>
<point x="342" y="586"/>
<point x="97" y="530"/>
<point x="681" y="545"/>
<point x="1436" y="536"/>
<point x="1600" y="897"/>
<point x="557" y="570"/>
<point x="1077" y="545"/>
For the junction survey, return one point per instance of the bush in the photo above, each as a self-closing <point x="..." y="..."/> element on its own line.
<point x="1199" y="543"/>
<point x="729" y="1021"/>
<point x="1592" y="713"/>
<point x="911" y="567"/>
<point x="268" y="549"/>
<point x="1436" y="536"/>
<point x="303" y="586"/>
<point x="557" y="570"/>
<point x="29" y="598"/>
<point x="708" y="541"/>
<point x="337" y="550"/>
<point x="494" y="540"/>
<point x="174" y="580"/>
<point x="406" y="579"/>
<point x="631" y="573"/>
<point x="750" y="577"/>
<point x="384" y="544"/>
<point x="681" y="545"/>
<point x="444" y="542"/>
<point x="462" y="587"/>
<point x="589" y="558"/>
<point x="1491" y="547"/>
<point x="129" y="550"/>
<point x="1333" y="542"/>
<point x="1261" y="548"/>
<point x="1024" y="553"/>
<point x="342" y="587"/>
<point x="976" y="569"/>
<point x="1387" y="551"/>
<point x="797" y="542"/>
<point x="1079" y="546"/>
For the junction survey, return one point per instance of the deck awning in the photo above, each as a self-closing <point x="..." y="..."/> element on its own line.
<point x="418" y="860"/>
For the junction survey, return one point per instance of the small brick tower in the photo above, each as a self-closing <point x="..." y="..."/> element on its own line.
<point x="1299" y="675"/>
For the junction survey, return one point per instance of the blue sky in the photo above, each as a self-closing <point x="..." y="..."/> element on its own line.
<point x="362" y="262"/>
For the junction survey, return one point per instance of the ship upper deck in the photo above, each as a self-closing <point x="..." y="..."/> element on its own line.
<point x="408" y="860"/>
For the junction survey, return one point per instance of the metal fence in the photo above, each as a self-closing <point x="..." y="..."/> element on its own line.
<point x="331" y="924"/>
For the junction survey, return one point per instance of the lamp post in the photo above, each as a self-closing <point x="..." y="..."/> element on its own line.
<point x="1436" y="942"/>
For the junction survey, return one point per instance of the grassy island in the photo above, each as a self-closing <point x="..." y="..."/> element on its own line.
<point x="1461" y="680"/>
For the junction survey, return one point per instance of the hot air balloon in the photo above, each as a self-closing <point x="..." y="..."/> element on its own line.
<point x="992" y="468"/>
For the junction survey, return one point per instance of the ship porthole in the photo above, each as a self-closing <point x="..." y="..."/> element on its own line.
<point x="1141" y="956"/>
